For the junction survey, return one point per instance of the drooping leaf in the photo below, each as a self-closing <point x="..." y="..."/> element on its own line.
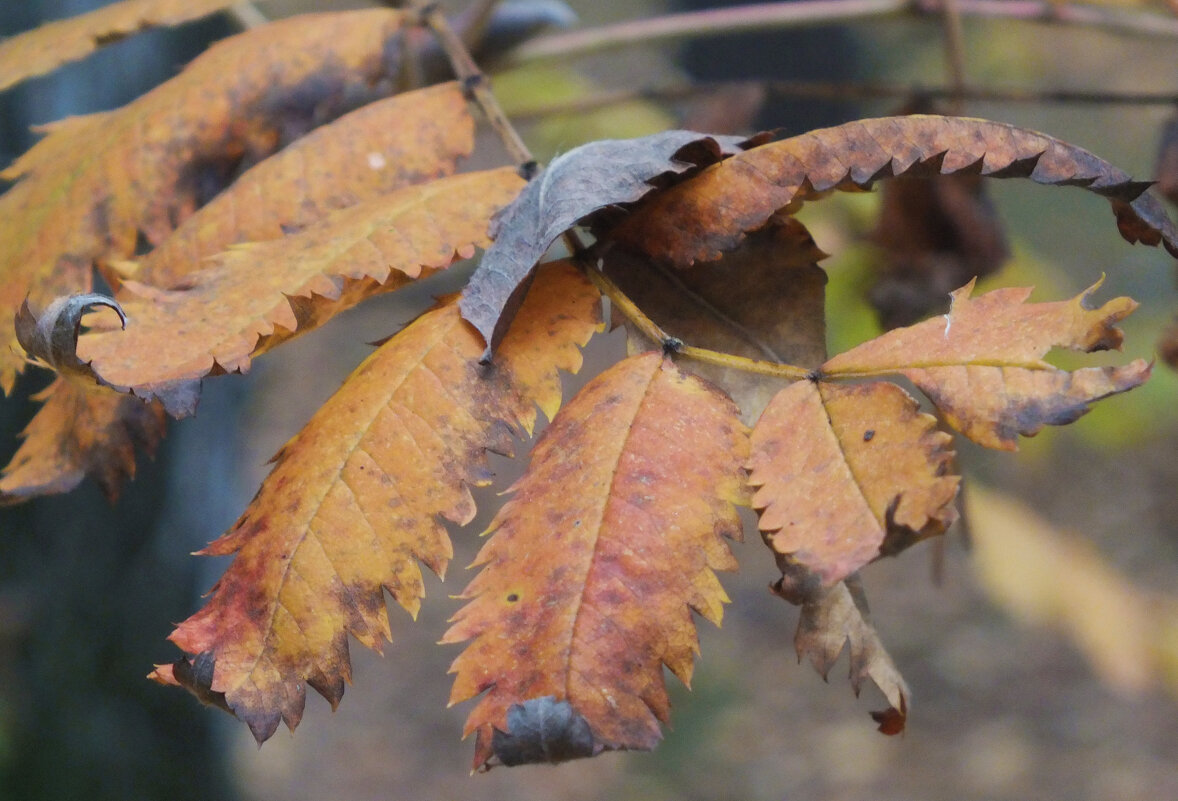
<point x="702" y="217"/>
<point x="836" y="617"/>
<point x="400" y="141"/>
<point x="354" y="499"/>
<point x="94" y="185"/>
<point x="46" y="48"/>
<point x="845" y="473"/>
<point x="586" y="589"/>
<point x="763" y="300"/>
<point x="574" y="185"/>
<point x="257" y="296"/>
<point x="81" y="432"/>
<point x="981" y="363"/>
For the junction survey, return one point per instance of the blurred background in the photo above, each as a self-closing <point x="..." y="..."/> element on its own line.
<point x="1043" y="665"/>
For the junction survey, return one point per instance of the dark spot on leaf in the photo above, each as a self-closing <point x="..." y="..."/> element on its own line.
<point x="868" y="435"/>
<point x="512" y="598"/>
<point x="542" y="730"/>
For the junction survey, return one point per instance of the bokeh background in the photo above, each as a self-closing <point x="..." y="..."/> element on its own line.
<point x="1059" y="682"/>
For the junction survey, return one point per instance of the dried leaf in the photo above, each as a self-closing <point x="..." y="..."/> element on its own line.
<point x="257" y="296"/>
<point x="95" y="184"/>
<point x="573" y="186"/>
<point x="355" y="498"/>
<point x="845" y="473"/>
<point x="46" y="48"/>
<point x="763" y="300"/>
<point x="700" y="218"/>
<point x="52" y="336"/>
<point x="981" y="363"/>
<point x="837" y="617"/>
<point x="81" y="431"/>
<point x="588" y="582"/>
<point x="935" y="235"/>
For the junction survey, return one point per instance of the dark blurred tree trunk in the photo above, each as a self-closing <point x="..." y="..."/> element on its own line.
<point x="89" y="591"/>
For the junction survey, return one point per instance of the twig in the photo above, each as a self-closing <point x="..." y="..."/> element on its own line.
<point x="954" y="51"/>
<point x="650" y="329"/>
<point x="764" y="16"/>
<point x="479" y="17"/>
<point x="846" y="91"/>
<point x="476" y="83"/>
<point x="248" y="16"/>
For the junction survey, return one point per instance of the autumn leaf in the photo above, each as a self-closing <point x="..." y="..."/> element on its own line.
<point x="257" y="296"/>
<point x="404" y="140"/>
<point x="763" y="300"/>
<point x="93" y="185"/>
<point x="46" y="48"/>
<point x="981" y="364"/>
<point x="836" y="618"/>
<point x="81" y="432"/>
<point x="354" y="499"/>
<point x="400" y="141"/>
<point x="587" y="585"/>
<point x="708" y="214"/>
<point x="843" y="473"/>
<point x="574" y="185"/>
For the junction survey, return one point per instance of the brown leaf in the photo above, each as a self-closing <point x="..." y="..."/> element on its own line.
<point x="708" y="214"/>
<point x="574" y="185"/>
<point x="81" y="431"/>
<point x="51" y="336"/>
<point x="257" y="296"/>
<point x="609" y="541"/>
<point x="355" y="498"/>
<point x="837" y="617"/>
<point x="845" y="473"/>
<point x="94" y="184"/>
<point x="763" y="300"/>
<point x="935" y="235"/>
<point x="46" y="48"/>
<point x="981" y="363"/>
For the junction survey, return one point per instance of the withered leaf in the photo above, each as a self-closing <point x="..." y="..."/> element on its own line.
<point x="573" y="186"/>
<point x="763" y="300"/>
<point x="708" y="214"/>
<point x="257" y="296"/>
<point x="51" y="336"/>
<point x="94" y="185"/>
<point x="981" y="364"/>
<point x="845" y="473"/>
<point x="43" y="49"/>
<point x="81" y="431"/>
<point x="355" y="498"/>
<point x="836" y="617"/>
<point x="609" y="541"/>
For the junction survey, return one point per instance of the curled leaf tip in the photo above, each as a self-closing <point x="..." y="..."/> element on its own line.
<point x="52" y="335"/>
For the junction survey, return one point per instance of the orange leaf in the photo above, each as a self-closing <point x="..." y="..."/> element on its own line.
<point x="80" y="431"/>
<point x="700" y="218"/>
<point x="844" y="473"/>
<point x="355" y="498"/>
<point x="46" y="48"/>
<point x="260" y="295"/>
<point x="400" y="141"/>
<point x="981" y="363"/>
<point x="94" y="184"/>
<point x="587" y="586"/>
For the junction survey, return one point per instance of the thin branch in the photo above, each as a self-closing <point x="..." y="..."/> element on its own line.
<point x="778" y="15"/>
<point x="845" y="91"/>
<point x="627" y="308"/>
<point x="477" y="86"/>
<point x="954" y="34"/>
<point x="248" y="16"/>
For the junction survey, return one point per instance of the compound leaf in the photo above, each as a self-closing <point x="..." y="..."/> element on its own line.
<point x="354" y="499"/>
